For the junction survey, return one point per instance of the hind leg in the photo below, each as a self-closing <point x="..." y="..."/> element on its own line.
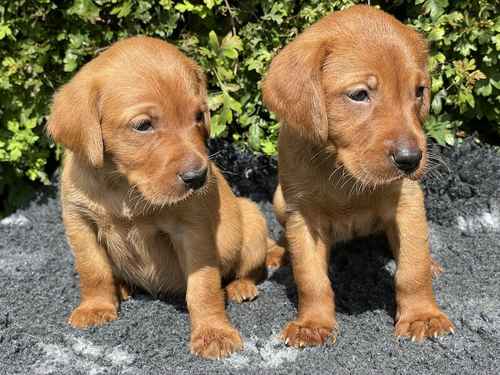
<point x="251" y="267"/>
<point x="276" y="252"/>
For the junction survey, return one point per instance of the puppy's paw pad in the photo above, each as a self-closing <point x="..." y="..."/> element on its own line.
<point x="421" y="326"/>
<point x="276" y="257"/>
<point x="241" y="290"/>
<point x="299" y="335"/>
<point x="88" y="315"/>
<point x="215" y="343"/>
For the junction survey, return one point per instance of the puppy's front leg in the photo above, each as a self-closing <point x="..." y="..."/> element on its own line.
<point x="418" y="315"/>
<point x="309" y="246"/>
<point x="212" y="335"/>
<point x="98" y="291"/>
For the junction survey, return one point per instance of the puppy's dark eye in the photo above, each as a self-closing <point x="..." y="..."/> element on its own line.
<point x="359" y="95"/>
<point x="199" y="116"/>
<point x="143" y="126"/>
<point x="420" y="92"/>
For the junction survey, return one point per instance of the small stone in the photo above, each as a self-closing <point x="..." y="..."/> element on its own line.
<point x="16" y="220"/>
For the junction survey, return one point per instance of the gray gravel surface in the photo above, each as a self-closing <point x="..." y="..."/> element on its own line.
<point x="39" y="289"/>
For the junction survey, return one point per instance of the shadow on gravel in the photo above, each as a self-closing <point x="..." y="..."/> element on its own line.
<point x="361" y="272"/>
<point x="26" y="196"/>
<point x="178" y="302"/>
<point x="45" y="194"/>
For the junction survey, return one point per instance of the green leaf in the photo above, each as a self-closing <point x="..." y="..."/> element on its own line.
<point x="254" y="135"/>
<point x="484" y="88"/>
<point x="231" y="41"/>
<point x="436" y="84"/>
<point x="166" y="4"/>
<point x="268" y="147"/>
<point x="123" y="10"/>
<point x="449" y="138"/>
<point x="215" y="101"/>
<point x="85" y="9"/>
<point x="441" y="129"/>
<point x="217" y="126"/>
<point x="437" y="104"/>
<point x="436" y="34"/>
<point x="495" y="39"/>
<point x="232" y="103"/>
<point x="230" y="46"/>
<point x="213" y="41"/>
<point x="5" y="31"/>
<point x="211" y="3"/>
<point x="435" y="7"/>
<point x="232" y="87"/>
<point x="70" y="62"/>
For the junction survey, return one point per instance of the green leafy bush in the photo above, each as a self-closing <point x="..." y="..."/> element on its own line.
<point x="465" y="40"/>
<point x="43" y="43"/>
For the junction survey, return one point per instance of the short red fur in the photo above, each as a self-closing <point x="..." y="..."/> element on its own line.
<point x="134" y="122"/>
<point x="352" y="92"/>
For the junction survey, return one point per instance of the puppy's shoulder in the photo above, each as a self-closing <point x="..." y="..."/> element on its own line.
<point x="81" y="189"/>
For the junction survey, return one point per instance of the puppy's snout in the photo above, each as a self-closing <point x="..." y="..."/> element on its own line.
<point x="407" y="158"/>
<point x="195" y="178"/>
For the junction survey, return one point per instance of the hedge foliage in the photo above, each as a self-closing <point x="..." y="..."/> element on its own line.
<point x="43" y="43"/>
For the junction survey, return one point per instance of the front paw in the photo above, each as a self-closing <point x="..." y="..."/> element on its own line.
<point x="92" y="314"/>
<point x="299" y="334"/>
<point x="420" y="325"/>
<point x="215" y="342"/>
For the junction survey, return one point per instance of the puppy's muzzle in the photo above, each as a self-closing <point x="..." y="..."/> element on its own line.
<point x="195" y="178"/>
<point x="407" y="158"/>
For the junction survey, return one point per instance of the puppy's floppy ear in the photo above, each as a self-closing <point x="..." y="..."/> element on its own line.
<point x="426" y="103"/>
<point x="201" y="87"/>
<point x="206" y="115"/>
<point x="74" y="120"/>
<point x="422" y="47"/>
<point x="292" y="88"/>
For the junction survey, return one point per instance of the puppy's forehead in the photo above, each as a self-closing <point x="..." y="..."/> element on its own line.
<point x="374" y="58"/>
<point x="144" y="69"/>
<point x="363" y="38"/>
<point x="153" y="73"/>
<point x="151" y="82"/>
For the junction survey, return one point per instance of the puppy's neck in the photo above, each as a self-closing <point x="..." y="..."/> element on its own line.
<point x="319" y="174"/>
<point x="106" y="188"/>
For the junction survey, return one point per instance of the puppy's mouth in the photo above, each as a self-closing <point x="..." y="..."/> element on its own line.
<point x="173" y="194"/>
<point x="362" y="179"/>
<point x="374" y="180"/>
<point x="370" y="170"/>
<point x="393" y="175"/>
<point x="190" y="191"/>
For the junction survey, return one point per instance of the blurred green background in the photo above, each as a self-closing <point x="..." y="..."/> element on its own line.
<point x="43" y="43"/>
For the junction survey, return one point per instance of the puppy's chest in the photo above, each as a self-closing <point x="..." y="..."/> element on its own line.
<point x="349" y="222"/>
<point x="141" y="254"/>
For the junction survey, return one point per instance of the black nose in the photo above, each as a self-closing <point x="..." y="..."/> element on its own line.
<point x="194" y="179"/>
<point x="407" y="159"/>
